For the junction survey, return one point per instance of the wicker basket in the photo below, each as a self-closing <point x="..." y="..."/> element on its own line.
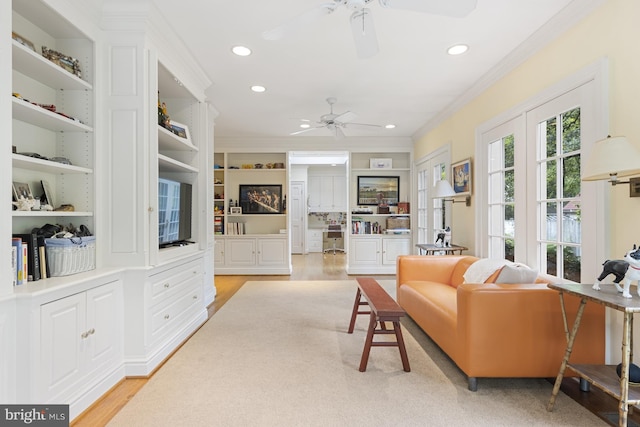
<point x="71" y="256"/>
<point x="398" y="222"/>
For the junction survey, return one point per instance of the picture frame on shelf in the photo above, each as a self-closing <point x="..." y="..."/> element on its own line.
<point x="378" y="190"/>
<point x="24" y="42"/>
<point x="380" y="163"/>
<point x="48" y="193"/>
<point x="181" y="130"/>
<point x="22" y="189"/>
<point x="67" y="63"/>
<point x="461" y="177"/>
<point x="261" y="199"/>
<point x="235" y="210"/>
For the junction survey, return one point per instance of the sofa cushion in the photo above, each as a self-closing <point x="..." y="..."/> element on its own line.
<point x="517" y="273"/>
<point x="484" y="270"/>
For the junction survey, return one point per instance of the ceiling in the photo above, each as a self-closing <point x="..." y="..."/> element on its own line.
<point x="412" y="82"/>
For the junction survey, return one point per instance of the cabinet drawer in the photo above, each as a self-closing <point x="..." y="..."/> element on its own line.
<point x="163" y="317"/>
<point x="167" y="283"/>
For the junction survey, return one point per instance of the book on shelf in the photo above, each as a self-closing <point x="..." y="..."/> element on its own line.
<point x="16" y="243"/>
<point x="33" y="258"/>
<point x="235" y="228"/>
<point x="14" y="265"/>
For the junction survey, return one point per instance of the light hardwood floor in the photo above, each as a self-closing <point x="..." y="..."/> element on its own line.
<point x="305" y="267"/>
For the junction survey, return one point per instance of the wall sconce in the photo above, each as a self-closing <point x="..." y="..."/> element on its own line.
<point x="612" y="158"/>
<point x="444" y="190"/>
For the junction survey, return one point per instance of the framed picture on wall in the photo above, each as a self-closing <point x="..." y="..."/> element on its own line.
<point x="461" y="177"/>
<point x="378" y="190"/>
<point x="261" y="199"/>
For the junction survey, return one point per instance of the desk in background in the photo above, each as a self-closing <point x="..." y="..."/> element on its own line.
<point x="431" y="249"/>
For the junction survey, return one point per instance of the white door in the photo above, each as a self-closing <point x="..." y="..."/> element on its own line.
<point x="297" y="212"/>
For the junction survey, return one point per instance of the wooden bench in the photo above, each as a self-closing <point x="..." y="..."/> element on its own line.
<point x="382" y="308"/>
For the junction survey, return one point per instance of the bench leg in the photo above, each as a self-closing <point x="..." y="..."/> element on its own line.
<point x="354" y="313"/>
<point x="401" y="347"/>
<point x="367" y="343"/>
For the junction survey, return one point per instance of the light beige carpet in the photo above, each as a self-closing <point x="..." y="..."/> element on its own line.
<point x="277" y="354"/>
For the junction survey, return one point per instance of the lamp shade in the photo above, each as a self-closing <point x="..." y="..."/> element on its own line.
<point x="611" y="158"/>
<point x="443" y="189"/>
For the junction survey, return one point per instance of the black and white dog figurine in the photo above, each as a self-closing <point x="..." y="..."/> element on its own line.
<point x="627" y="269"/>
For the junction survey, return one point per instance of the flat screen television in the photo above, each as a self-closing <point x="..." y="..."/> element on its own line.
<point x="174" y="212"/>
<point x="261" y="199"/>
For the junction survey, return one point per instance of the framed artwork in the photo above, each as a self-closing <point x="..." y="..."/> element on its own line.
<point x="181" y="130"/>
<point x="22" y="189"/>
<point x="378" y="190"/>
<point x="68" y="63"/>
<point x="17" y="37"/>
<point x="261" y="199"/>
<point x="48" y="193"/>
<point x="461" y="177"/>
<point x="235" y="210"/>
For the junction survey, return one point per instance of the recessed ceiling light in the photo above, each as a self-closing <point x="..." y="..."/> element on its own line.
<point x="457" y="49"/>
<point x="258" y="89"/>
<point x="390" y="126"/>
<point x="241" y="50"/>
<point x="305" y="125"/>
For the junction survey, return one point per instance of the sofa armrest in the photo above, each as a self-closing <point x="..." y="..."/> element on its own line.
<point x="439" y="269"/>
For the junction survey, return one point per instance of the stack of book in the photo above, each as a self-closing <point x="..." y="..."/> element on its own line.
<point x="30" y="260"/>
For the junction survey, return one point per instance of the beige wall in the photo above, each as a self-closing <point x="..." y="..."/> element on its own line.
<point x="611" y="31"/>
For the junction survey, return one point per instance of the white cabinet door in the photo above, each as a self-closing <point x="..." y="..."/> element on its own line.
<point x="79" y="340"/>
<point x="392" y="248"/>
<point x="103" y="339"/>
<point x="314" y="193"/>
<point x="272" y="251"/>
<point x="62" y="341"/>
<point x="326" y="193"/>
<point x="240" y="252"/>
<point x="365" y="251"/>
<point x="314" y="239"/>
<point x="218" y="251"/>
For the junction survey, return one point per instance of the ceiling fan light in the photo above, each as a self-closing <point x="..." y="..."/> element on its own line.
<point x="390" y="126"/>
<point x="258" y="88"/>
<point x="457" y="49"/>
<point x="305" y="125"/>
<point x="241" y="50"/>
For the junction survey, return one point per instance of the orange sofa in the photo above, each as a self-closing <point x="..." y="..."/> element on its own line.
<point x="495" y="330"/>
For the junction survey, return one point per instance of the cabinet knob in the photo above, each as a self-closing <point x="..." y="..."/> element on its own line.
<point x="84" y="335"/>
<point x="166" y="285"/>
<point x="150" y="209"/>
<point x="166" y="317"/>
<point x="195" y="297"/>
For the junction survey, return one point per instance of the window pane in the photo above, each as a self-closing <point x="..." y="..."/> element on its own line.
<point x="571" y="176"/>
<point x="551" y="174"/>
<point x="496" y="220"/>
<point x="551" y="137"/>
<point x="509" y="249"/>
<point x="552" y="262"/>
<point x="552" y="221"/>
<point x="509" y="221"/>
<point x="571" y="131"/>
<point x="495" y="156"/>
<point x="496" y="188"/>
<point x="508" y="186"/>
<point x="571" y="223"/>
<point x="508" y="151"/>
<point x="571" y="263"/>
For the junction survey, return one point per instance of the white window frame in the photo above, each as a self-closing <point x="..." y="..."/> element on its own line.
<point x="595" y="98"/>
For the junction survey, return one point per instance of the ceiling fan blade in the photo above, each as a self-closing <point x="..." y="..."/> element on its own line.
<point x="345" y="117"/>
<point x="364" y="33"/>
<point x="299" y="21"/>
<point x="361" y="124"/>
<point x="338" y="134"/>
<point x="305" y="130"/>
<point x="453" y="8"/>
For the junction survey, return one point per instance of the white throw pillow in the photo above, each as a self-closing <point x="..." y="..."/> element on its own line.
<point x="517" y="273"/>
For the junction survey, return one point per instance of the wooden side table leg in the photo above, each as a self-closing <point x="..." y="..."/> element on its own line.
<point x="567" y="354"/>
<point x="367" y="343"/>
<point x="623" y="407"/>
<point x="354" y="313"/>
<point x="401" y="347"/>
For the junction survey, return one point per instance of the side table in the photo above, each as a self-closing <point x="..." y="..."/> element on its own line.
<point x="431" y="249"/>
<point x="602" y="376"/>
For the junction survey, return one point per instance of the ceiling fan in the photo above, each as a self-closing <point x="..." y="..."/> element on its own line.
<point x="362" y="22"/>
<point x="335" y="122"/>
